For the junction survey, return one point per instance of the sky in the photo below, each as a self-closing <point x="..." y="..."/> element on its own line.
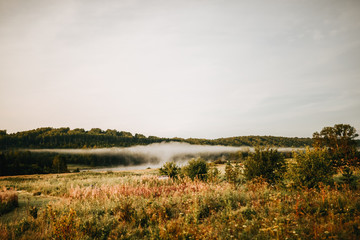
<point x="180" y="68"/>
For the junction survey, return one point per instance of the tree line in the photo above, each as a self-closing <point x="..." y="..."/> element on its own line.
<point x="25" y="162"/>
<point x="97" y="138"/>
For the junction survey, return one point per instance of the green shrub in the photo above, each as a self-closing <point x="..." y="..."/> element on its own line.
<point x="233" y="174"/>
<point x="266" y="163"/>
<point x="229" y="171"/>
<point x="196" y="168"/>
<point x="349" y="178"/>
<point x="213" y="174"/>
<point x="310" y="168"/>
<point x="170" y="169"/>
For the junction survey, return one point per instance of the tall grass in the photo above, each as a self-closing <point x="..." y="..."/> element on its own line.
<point x="8" y="200"/>
<point x="115" y="206"/>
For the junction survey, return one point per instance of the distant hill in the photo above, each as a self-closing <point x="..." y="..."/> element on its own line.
<point x="97" y="138"/>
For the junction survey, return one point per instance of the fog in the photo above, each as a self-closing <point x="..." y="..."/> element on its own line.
<point x="155" y="155"/>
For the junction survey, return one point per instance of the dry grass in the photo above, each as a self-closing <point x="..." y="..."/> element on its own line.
<point x="8" y="200"/>
<point x="132" y="206"/>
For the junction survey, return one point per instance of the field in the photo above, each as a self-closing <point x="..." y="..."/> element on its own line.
<point x="138" y="205"/>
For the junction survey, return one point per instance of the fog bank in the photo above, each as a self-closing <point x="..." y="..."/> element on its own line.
<point x="155" y="155"/>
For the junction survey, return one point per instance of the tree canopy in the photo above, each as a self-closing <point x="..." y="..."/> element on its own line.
<point x="95" y="138"/>
<point x="340" y="141"/>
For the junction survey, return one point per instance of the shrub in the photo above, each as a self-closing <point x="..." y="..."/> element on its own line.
<point x="170" y="169"/>
<point x="65" y="226"/>
<point x="22" y="226"/>
<point x="196" y="168"/>
<point x="340" y="141"/>
<point x="311" y="167"/>
<point x="126" y="211"/>
<point x="213" y="174"/>
<point x="8" y="201"/>
<point x="349" y="178"/>
<point x="33" y="211"/>
<point x="233" y="173"/>
<point x="266" y="163"/>
<point x="229" y="171"/>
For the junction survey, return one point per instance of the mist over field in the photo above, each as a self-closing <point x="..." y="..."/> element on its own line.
<point x="155" y="155"/>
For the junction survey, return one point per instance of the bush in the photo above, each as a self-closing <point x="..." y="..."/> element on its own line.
<point x="266" y="163"/>
<point x="233" y="174"/>
<point x="213" y="174"/>
<point x="64" y="226"/>
<point x="312" y="167"/>
<point x="196" y="168"/>
<point x="33" y="211"/>
<point x="170" y="169"/>
<point x="349" y="178"/>
<point x="8" y="201"/>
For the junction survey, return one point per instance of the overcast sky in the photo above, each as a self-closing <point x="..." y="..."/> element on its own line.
<point x="185" y="68"/>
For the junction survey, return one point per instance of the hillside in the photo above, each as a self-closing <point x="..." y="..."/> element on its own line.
<point x="97" y="138"/>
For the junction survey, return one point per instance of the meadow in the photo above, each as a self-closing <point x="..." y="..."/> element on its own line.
<point x="138" y="205"/>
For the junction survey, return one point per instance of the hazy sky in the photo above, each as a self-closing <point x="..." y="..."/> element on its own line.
<point x="186" y="68"/>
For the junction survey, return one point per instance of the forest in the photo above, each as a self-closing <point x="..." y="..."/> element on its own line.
<point x="97" y="138"/>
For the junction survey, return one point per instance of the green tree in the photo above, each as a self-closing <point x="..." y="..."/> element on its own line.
<point x="170" y="169"/>
<point x="266" y="163"/>
<point x="196" y="168"/>
<point x="59" y="164"/>
<point x="138" y="135"/>
<point x="111" y="132"/>
<point x="340" y="141"/>
<point x="233" y="173"/>
<point x="125" y="134"/>
<point x="310" y="168"/>
<point x="95" y="131"/>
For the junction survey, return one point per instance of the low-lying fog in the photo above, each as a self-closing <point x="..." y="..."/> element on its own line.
<point x="155" y="155"/>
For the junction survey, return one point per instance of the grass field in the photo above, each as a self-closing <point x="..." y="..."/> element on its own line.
<point x="137" y="205"/>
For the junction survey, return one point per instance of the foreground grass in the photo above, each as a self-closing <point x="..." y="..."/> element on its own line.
<point x="136" y="205"/>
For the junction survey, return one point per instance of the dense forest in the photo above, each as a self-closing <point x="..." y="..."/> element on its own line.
<point x="25" y="162"/>
<point x="97" y="138"/>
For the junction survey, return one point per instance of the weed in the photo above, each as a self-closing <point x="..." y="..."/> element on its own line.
<point x="33" y="212"/>
<point x="8" y="201"/>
